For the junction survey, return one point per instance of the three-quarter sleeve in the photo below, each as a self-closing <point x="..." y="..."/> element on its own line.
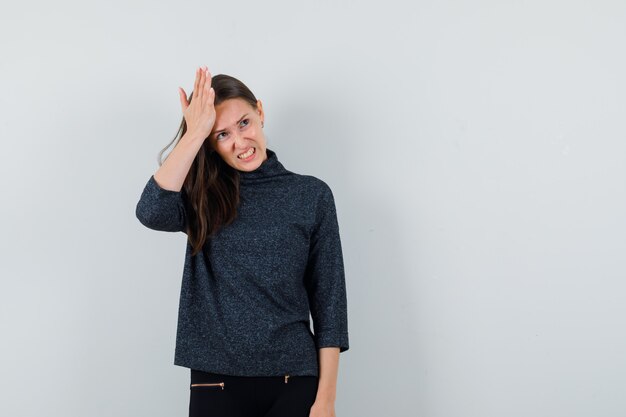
<point x="161" y="209"/>
<point x="325" y="278"/>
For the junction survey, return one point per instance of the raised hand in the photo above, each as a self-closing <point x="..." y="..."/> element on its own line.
<point x="199" y="111"/>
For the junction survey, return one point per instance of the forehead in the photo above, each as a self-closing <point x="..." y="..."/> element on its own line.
<point x="229" y="111"/>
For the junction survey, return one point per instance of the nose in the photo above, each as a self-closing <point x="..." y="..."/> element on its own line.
<point x="240" y="142"/>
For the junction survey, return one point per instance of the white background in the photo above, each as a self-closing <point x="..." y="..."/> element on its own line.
<point x="476" y="151"/>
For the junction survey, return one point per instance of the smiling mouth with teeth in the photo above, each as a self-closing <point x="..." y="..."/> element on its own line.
<point x="246" y="154"/>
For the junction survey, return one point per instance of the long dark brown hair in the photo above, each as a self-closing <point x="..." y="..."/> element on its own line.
<point x="211" y="188"/>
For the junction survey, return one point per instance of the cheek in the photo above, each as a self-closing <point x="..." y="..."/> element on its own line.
<point x="221" y="147"/>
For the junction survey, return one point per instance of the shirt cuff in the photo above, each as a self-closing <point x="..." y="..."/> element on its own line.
<point x="332" y="339"/>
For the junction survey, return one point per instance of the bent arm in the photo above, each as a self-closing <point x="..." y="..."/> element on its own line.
<point x="172" y="173"/>
<point x="161" y="205"/>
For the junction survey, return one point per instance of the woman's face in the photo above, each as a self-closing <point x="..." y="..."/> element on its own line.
<point x="237" y="131"/>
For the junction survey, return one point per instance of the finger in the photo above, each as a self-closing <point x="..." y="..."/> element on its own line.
<point x="183" y="98"/>
<point x="207" y="86"/>
<point x="210" y="77"/>
<point x="196" y="83"/>
<point x="201" y="84"/>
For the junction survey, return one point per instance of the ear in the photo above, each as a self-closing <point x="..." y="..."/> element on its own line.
<point x="260" y="110"/>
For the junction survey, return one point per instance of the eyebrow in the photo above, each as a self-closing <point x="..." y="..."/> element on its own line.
<point x="221" y="130"/>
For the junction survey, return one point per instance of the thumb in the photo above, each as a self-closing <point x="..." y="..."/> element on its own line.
<point x="183" y="98"/>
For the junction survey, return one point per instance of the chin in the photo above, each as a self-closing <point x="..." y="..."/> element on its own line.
<point x="247" y="168"/>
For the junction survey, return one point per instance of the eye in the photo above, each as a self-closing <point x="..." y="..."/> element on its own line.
<point x="246" y="120"/>
<point x="219" y="135"/>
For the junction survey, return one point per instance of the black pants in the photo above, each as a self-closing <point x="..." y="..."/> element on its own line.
<point x="219" y="395"/>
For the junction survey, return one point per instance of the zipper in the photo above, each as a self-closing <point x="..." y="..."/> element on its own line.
<point x="220" y="384"/>
<point x="286" y="378"/>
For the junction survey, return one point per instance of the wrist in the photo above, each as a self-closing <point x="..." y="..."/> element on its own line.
<point x="325" y="400"/>
<point x="194" y="137"/>
<point x="325" y="397"/>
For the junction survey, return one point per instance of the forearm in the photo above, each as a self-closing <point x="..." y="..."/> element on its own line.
<point x="328" y="370"/>
<point x="172" y="173"/>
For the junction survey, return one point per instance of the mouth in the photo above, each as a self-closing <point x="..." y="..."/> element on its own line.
<point x="246" y="156"/>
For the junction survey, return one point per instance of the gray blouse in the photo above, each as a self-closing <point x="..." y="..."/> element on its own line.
<point x="246" y="297"/>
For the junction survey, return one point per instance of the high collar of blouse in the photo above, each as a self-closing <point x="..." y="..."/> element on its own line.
<point x="271" y="167"/>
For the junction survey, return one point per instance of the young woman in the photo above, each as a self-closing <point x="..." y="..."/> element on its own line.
<point x="263" y="252"/>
